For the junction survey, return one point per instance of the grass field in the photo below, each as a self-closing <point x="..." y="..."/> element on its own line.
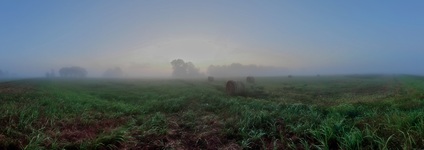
<point x="327" y="112"/>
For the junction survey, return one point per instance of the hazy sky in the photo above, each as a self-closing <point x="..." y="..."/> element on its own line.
<point x="142" y="37"/>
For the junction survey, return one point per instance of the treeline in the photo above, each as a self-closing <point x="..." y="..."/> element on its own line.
<point x="113" y="73"/>
<point x="80" y="72"/>
<point x="74" y="71"/>
<point x="6" y="74"/>
<point x="68" y="72"/>
<point x="3" y="74"/>
<point x="181" y="69"/>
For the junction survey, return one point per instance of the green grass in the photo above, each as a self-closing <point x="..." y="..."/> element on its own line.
<point x="326" y="112"/>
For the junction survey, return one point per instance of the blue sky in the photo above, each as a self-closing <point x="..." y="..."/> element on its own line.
<point x="142" y="37"/>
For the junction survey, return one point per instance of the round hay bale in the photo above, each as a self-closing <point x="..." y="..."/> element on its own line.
<point x="210" y="79"/>
<point x="234" y="88"/>
<point x="250" y="79"/>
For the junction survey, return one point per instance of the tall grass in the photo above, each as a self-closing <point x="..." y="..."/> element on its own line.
<point x="297" y="113"/>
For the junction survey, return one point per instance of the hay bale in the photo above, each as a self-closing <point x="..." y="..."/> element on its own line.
<point x="234" y="88"/>
<point x="250" y="79"/>
<point x="210" y="79"/>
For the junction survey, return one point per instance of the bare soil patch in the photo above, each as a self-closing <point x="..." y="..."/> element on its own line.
<point x="10" y="88"/>
<point x="77" y="130"/>
<point x="207" y="134"/>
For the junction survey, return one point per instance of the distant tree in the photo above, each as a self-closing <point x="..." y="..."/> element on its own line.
<point x="192" y="71"/>
<point x="50" y="74"/>
<point x="113" y="72"/>
<point x="4" y="73"/>
<point x="179" y="67"/>
<point x="211" y="79"/>
<point x="250" y="79"/>
<point x="73" y="72"/>
<point x="64" y="72"/>
<point x="183" y="69"/>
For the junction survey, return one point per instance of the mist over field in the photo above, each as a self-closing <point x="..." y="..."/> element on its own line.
<point x="211" y="74"/>
<point x="220" y="38"/>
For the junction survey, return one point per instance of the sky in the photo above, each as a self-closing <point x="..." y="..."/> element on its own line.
<point x="143" y="37"/>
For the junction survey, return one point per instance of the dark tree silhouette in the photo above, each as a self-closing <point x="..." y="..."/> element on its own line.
<point x="178" y="66"/>
<point x="73" y="72"/>
<point x="184" y="69"/>
<point x="250" y="79"/>
<point x="211" y="79"/>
